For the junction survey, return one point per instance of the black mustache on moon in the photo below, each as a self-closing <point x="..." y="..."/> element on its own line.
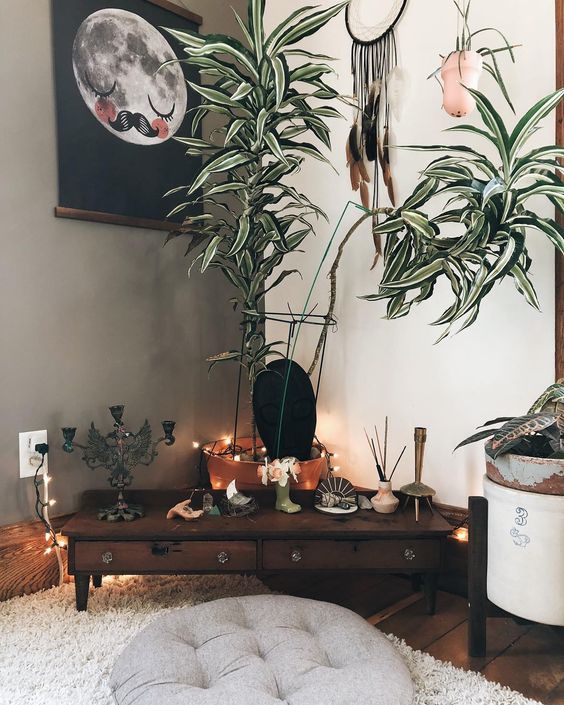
<point x="126" y="120"/>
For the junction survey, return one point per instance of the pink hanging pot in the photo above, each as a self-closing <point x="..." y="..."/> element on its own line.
<point x="460" y="70"/>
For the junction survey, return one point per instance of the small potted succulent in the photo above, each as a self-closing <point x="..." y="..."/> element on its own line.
<point x="463" y="67"/>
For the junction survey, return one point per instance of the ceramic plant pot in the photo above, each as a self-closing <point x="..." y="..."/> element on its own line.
<point x="460" y="69"/>
<point x="542" y="475"/>
<point x="385" y="501"/>
<point x="223" y="468"/>
<point x="525" y="556"/>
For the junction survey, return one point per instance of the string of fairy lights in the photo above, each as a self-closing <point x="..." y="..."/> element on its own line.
<point x="42" y="503"/>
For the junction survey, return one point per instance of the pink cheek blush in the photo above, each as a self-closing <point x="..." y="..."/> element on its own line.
<point x="105" y="110"/>
<point x="160" y="125"/>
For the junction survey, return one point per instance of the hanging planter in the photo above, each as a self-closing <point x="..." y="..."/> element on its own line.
<point x="462" y="68"/>
<point x="459" y="71"/>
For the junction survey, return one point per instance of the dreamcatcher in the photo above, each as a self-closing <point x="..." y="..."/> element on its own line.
<point x="378" y="86"/>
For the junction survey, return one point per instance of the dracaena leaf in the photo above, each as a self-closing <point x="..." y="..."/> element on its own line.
<point x="242" y="235"/>
<point x="531" y="118"/>
<point x="288" y="33"/>
<point x="225" y="161"/>
<point x="281" y="79"/>
<point x="549" y="227"/>
<point x="210" y="251"/>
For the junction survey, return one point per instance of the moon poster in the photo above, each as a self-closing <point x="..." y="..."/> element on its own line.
<point x="121" y="99"/>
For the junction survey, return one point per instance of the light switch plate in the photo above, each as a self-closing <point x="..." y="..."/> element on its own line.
<point x="29" y="457"/>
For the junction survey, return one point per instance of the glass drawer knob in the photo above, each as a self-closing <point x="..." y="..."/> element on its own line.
<point x="296" y="556"/>
<point x="409" y="554"/>
<point x="107" y="557"/>
<point x="222" y="557"/>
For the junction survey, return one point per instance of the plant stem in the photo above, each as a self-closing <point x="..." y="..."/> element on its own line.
<point x="333" y="278"/>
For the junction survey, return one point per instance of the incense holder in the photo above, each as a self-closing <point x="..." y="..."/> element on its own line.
<point x="385" y="501"/>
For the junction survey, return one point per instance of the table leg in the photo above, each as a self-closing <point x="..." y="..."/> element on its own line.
<point x="416" y="581"/>
<point x="81" y="586"/>
<point x="97" y="581"/>
<point x="430" y="590"/>
<point x="477" y="575"/>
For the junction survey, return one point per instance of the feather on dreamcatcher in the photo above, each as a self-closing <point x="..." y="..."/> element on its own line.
<point x="378" y="87"/>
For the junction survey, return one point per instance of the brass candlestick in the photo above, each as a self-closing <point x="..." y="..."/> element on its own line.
<point x="417" y="489"/>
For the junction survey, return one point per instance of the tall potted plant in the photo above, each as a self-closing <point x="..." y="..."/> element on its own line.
<point x="252" y="216"/>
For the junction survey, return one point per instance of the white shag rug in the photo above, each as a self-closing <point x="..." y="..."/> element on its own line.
<point x="50" y="654"/>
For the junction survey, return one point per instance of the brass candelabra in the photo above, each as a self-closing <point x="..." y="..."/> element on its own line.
<point x="119" y="452"/>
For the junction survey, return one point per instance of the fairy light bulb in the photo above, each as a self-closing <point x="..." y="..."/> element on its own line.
<point x="195" y="444"/>
<point x="46" y="479"/>
<point x="237" y="458"/>
<point x="52" y="502"/>
<point x="48" y="550"/>
<point x="47" y="536"/>
<point x="461" y="534"/>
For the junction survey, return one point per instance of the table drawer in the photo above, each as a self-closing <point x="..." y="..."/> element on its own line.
<point x="380" y="555"/>
<point x="155" y="556"/>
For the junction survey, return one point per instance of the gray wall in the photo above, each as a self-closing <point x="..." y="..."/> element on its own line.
<point x="91" y="314"/>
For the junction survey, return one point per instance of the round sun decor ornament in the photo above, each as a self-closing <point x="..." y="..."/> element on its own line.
<point x="378" y="87"/>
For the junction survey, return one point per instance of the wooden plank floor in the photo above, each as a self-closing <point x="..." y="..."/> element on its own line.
<point x="527" y="658"/>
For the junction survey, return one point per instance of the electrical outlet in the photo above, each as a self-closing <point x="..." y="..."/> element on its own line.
<point x="29" y="457"/>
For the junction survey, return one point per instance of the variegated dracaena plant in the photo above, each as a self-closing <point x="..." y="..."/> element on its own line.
<point x="491" y="200"/>
<point x="270" y="112"/>
<point x="540" y="433"/>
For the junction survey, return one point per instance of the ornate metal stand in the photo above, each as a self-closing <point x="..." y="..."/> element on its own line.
<point x="417" y="489"/>
<point x="120" y="451"/>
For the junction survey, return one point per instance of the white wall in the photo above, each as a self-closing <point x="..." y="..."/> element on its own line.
<point x="376" y="367"/>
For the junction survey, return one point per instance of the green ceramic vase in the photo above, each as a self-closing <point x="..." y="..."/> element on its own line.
<point x="283" y="501"/>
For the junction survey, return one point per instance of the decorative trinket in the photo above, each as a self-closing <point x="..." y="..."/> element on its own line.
<point x="184" y="511"/>
<point x="236" y="504"/>
<point x="336" y="495"/>
<point x="120" y="451"/>
<point x="384" y="501"/>
<point x="417" y="489"/>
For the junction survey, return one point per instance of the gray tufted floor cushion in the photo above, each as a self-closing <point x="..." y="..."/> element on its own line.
<point x="261" y="651"/>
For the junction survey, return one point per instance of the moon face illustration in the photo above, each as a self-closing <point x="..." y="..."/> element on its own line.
<point x="117" y="57"/>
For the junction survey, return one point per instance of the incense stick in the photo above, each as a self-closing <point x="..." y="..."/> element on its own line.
<point x="374" y="454"/>
<point x="385" y="445"/>
<point x="378" y="441"/>
<point x="398" y="461"/>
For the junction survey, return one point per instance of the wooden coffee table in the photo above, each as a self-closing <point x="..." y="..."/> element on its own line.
<point x="268" y="542"/>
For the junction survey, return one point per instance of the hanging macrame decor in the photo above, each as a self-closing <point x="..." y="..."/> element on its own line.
<point x="378" y="87"/>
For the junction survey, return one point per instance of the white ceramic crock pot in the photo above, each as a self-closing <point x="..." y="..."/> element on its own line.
<point x="526" y="553"/>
